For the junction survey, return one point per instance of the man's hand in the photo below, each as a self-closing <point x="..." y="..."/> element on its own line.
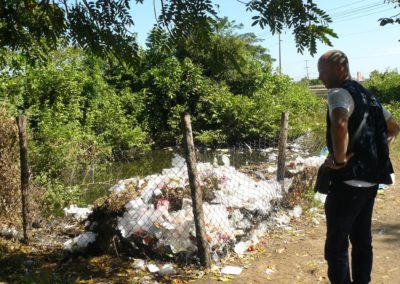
<point x="334" y="165"/>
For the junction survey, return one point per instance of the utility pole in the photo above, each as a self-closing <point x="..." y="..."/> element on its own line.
<point x="308" y="75"/>
<point x="280" y="52"/>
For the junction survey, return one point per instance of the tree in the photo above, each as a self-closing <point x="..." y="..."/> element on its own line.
<point x="395" y="19"/>
<point x="102" y="27"/>
<point x="34" y="27"/>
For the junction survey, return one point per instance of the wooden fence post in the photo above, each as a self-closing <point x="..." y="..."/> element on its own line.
<point x="23" y="146"/>
<point x="282" y="146"/>
<point x="196" y="193"/>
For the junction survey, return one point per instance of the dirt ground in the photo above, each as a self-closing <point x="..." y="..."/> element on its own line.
<point x="293" y="255"/>
<point x="296" y="255"/>
<point x="290" y="255"/>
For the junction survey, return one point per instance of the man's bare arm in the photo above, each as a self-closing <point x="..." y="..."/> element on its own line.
<point x="393" y="129"/>
<point x="339" y="133"/>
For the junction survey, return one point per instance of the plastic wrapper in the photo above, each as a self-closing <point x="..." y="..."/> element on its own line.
<point x="80" y="242"/>
<point x="78" y="213"/>
<point x="161" y="214"/>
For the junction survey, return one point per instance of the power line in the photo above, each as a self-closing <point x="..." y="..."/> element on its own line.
<point x="345" y="6"/>
<point x="358" y="10"/>
<point x="364" y="15"/>
<point x="365" y="5"/>
<point x="369" y="31"/>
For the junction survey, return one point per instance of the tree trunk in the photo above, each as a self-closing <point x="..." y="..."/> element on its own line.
<point x="197" y="196"/>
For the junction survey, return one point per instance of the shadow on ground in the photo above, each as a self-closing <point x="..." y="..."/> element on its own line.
<point x="54" y="266"/>
<point x="390" y="233"/>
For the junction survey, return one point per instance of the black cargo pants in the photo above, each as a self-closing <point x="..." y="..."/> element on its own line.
<point x="348" y="212"/>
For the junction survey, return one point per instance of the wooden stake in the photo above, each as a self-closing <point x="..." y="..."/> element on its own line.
<point x="23" y="145"/>
<point x="196" y="193"/>
<point x="282" y="146"/>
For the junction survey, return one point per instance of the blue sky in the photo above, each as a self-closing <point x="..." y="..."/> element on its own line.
<point x="368" y="45"/>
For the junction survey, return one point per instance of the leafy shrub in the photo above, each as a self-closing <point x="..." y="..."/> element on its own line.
<point x="58" y="196"/>
<point x="385" y="86"/>
<point x="75" y="116"/>
<point x="171" y="88"/>
<point x="229" y="118"/>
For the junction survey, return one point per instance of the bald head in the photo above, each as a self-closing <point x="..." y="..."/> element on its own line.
<point x="333" y="68"/>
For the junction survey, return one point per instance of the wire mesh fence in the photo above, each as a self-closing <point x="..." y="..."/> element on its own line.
<point x="143" y="204"/>
<point x="9" y="169"/>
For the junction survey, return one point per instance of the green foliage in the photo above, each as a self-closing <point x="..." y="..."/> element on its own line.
<point x="75" y="116"/>
<point x="103" y="27"/>
<point x="30" y="26"/>
<point x="213" y="138"/>
<point x="282" y="94"/>
<point x="385" y="86"/>
<point x="395" y="19"/>
<point x="225" y="115"/>
<point x="394" y="108"/>
<point x="237" y="59"/>
<point x="239" y="118"/>
<point x="36" y="27"/>
<point x="84" y="112"/>
<point x="309" y="23"/>
<point x="311" y="82"/>
<point x="59" y="196"/>
<point x="170" y="88"/>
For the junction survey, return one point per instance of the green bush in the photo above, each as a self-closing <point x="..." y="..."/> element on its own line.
<point x="75" y="116"/>
<point x="224" y="117"/>
<point x="385" y="86"/>
<point x="170" y="88"/>
<point x="58" y="196"/>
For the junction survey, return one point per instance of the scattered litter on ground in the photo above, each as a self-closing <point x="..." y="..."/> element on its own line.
<point x="80" y="242"/>
<point x="153" y="268"/>
<point x="315" y="221"/>
<point x="159" y="219"/>
<point x="9" y="232"/>
<point x="248" y="246"/>
<point x="282" y="220"/>
<point x="281" y="250"/>
<point x="138" y="264"/>
<point x="269" y="270"/>
<point x="78" y="213"/>
<point x="381" y="231"/>
<point x="296" y="212"/>
<point x="155" y="212"/>
<point x="320" y="197"/>
<point x="167" y="269"/>
<point x="231" y="270"/>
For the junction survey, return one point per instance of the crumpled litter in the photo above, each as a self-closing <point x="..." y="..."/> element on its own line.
<point x="78" y="213"/>
<point x="237" y="198"/>
<point x="80" y="242"/>
<point x="232" y="270"/>
<point x="296" y="212"/>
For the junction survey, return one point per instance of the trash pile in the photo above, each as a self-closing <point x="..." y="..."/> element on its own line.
<point x="159" y="214"/>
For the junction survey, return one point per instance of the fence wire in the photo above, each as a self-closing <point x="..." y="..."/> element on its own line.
<point x="153" y="213"/>
<point x="142" y="204"/>
<point x="9" y="170"/>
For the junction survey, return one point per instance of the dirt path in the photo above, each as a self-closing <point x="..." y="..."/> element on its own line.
<point x="296" y="256"/>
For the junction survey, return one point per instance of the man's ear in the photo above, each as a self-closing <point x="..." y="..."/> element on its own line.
<point x="341" y="71"/>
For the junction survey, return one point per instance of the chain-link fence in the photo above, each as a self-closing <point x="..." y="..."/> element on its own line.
<point x="149" y="211"/>
<point x="240" y="196"/>
<point x="10" y="197"/>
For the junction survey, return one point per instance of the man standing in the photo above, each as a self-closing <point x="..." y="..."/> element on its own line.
<point x="359" y="160"/>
